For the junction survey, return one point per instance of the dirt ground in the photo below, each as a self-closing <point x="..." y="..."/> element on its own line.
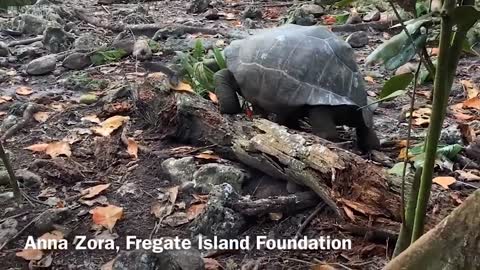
<point x="136" y="184"/>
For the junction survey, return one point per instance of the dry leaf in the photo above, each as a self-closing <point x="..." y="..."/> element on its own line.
<point x="323" y="267"/>
<point x="3" y="113"/>
<point x="212" y="264"/>
<point x="349" y="213"/>
<point x="369" y="79"/>
<point x="110" y="125"/>
<point x="161" y="209"/>
<point x="107" y="216"/>
<point x="472" y="103"/>
<point x="183" y="87"/>
<point x="195" y="210"/>
<point x="468" y="133"/>
<point x="53" y="235"/>
<point x="94" y="191"/>
<point x="56" y="149"/>
<point x="173" y="193"/>
<point x="39" y="147"/>
<point x="30" y="254"/>
<point x="462" y="116"/>
<point x="132" y="148"/>
<point x="213" y="97"/>
<point x="444" y="181"/>
<point x="108" y="265"/>
<point x="176" y="219"/>
<point x="470" y="88"/>
<point x="275" y="216"/>
<point x="41" y="117"/>
<point x="24" y="91"/>
<point x="467" y="176"/>
<point x="403" y="154"/>
<point x="91" y="118"/>
<point x="208" y="155"/>
<point x="421" y="116"/>
<point x="434" y="51"/>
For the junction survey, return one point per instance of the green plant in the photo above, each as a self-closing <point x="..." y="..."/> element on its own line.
<point x="5" y="4"/>
<point x="197" y="67"/>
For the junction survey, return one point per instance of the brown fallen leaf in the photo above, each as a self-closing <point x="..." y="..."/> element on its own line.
<point x="24" y="91"/>
<point x="39" y="147"/>
<point x="473" y="103"/>
<point x="421" y="116"/>
<point x="56" y="149"/>
<point x="91" y="118"/>
<point x="468" y="176"/>
<point x="30" y="254"/>
<point x="434" y="51"/>
<point x="108" y="265"/>
<point x="463" y="116"/>
<point x="107" y="216"/>
<point x="211" y="264"/>
<point x="468" y="133"/>
<point x="213" y="97"/>
<point x="208" y="155"/>
<point x="94" y="191"/>
<point x="444" y="181"/>
<point x="53" y="235"/>
<point x="369" y="79"/>
<point x="3" y="113"/>
<point x="469" y="88"/>
<point x="349" y="213"/>
<point x="132" y="148"/>
<point x="176" y="219"/>
<point x="195" y="210"/>
<point x="181" y="86"/>
<point x="275" y="216"/>
<point x="110" y="125"/>
<point x="323" y="267"/>
<point x="41" y="117"/>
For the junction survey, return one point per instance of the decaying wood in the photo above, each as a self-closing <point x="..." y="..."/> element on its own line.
<point x="290" y="203"/>
<point x="341" y="178"/>
<point x="452" y="244"/>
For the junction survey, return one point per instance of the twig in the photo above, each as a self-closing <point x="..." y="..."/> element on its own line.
<point x="14" y="216"/>
<point x="11" y="174"/>
<point x="307" y="221"/>
<point x="27" y="117"/>
<point x="25" y="41"/>
<point x="409" y="133"/>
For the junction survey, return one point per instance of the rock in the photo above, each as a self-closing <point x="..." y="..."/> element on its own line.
<point x="32" y="25"/>
<point x="249" y="23"/>
<point x="46" y="222"/>
<point x="406" y="68"/>
<point x="316" y="10"/>
<point x="42" y="65"/>
<point x="56" y="40"/>
<point x="8" y="229"/>
<point x="4" y="62"/>
<point x="198" y="6"/>
<point x="27" y="51"/>
<point x="88" y="99"/>
<point x="77" y="61"/>
<point x="354" y="18"/>
<point x="372" y="16"/>
<point x="358" y="39"/>
<point x="301" y="17"/>
<point x="252" y="12"/>
<point x="190" y="259"/>
<point x="180" y="170"/>
<point x="124" y="44"/>
<point x="325" y="2"/>
<point x="87" y="42"/>
<point x="451" y="135"/>
<point x="219" y="219"/>
<point x="212" y="14"/>
<point x="8" y="122"/>
<point x="213" y="174"/>
<point x="4" y="52"/>
<point x="141" y="50"/>
<point x="6" y="196"/>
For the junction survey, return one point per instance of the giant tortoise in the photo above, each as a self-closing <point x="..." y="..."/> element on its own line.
<point x="295" y="71"/>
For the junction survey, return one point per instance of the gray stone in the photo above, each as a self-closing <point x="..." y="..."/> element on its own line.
<point x="56" y="40"/>
<point x="212" y="14"/>
<point x="180" y="170"/>
<point x="27" y="51"/>
<point x="372" y="16"/>
<point x="354" y="18"/>
<point x="6" y="196"/>
<point x="252" y="12"/>
<point x="451" y="135"/>
<point x="214" y="174"/>
<point x="301" y="17"/>
<point x="4" y="62"/>
<point x="190" y="259"/>
<point x="249" y="23"/>
<point x="32" y="25"/>
<point x="42" y="65"/>
<point x="4" y="52"/>
<point x="8" y="229"/>
<point x="325" y="2"/>
<point x="358" y="39"/>
<point x="87" y="42"/>
<point x="219" y="219"/>
<point x="198" y="6"/>
<point x="8" y="122"/>
<point x="313" y="9"/>
<point x="77" y="61"/>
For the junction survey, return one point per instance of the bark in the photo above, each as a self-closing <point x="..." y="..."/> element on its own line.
<point x="340" y="178"/>
<point x="453" y="244"/>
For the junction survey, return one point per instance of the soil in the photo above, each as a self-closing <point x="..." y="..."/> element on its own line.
<point x="105" y="160"/>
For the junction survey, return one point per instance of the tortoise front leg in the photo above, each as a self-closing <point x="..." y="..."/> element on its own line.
<point x="367" y="138"/>
<point x="226" y="89"/>
<point x="323" y="122"/>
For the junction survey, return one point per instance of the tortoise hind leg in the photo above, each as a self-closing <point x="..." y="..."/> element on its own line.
<point x="226" y="90"/>
<point x="323" y="122"/>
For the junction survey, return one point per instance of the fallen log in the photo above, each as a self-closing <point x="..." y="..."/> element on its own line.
<point x="342" y="179"/>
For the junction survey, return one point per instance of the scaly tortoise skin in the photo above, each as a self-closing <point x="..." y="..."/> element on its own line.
<point x="295" y="71"/>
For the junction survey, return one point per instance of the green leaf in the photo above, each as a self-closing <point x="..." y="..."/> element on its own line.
<point x="468" y="48"/>
<point x="391" y="96"/>
<point x="344" y="3"/>
<point x="107" y="56"/>
<point x="421" y="8"/>
<point x="450" y="151"/>
<point x="397" y="169"/>
<point x="398" y="82"/>
<point x="465" y="17"/>
<point x="341" y="18"/>
<point x="398" y="50"/>
<point x="198" y="50"/>
<point x="217" y="54"/>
